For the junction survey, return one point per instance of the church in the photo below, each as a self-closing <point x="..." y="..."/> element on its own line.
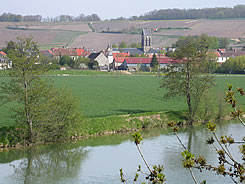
<point x="146" y="45"/>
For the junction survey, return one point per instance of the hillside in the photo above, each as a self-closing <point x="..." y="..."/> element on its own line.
<point x="79" y="34"/>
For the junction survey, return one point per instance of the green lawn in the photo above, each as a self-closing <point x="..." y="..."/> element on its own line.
<point x="101" y="96"/>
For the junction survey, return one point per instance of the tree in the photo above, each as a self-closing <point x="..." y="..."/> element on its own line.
<point x="93" y="65"/>
<point x="185" y="79"/>
<point x="135" y="45"/>
<point x="114" y="45"/>
<point x="223" y="43"/>
<point x="233" y="65"/>
<point x="66" y="60"/>
<point x="228" y="164"/>
<point x="81" y="63"/>
<point x="123" y="45"/>
<point x="41" y="112"/>
<point x="154" y="63"/>
<point x="155" y="175"/>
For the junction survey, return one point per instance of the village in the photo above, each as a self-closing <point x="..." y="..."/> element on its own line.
<point x="129" y="59"/>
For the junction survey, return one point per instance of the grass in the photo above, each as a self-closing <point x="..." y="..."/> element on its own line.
<point x="106" y="101"/>
<point x="105" y="96"/>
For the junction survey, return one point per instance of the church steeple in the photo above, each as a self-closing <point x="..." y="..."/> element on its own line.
<point x="146" y="40"/>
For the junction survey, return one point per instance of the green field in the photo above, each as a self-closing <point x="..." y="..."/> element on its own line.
<point x="101" y="96"/>
<point x="110" y="95"/>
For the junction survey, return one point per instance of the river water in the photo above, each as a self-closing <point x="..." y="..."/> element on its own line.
<point x="98" y="160"/>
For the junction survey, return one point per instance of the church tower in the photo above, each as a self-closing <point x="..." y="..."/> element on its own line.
<point x="146" y="40"/>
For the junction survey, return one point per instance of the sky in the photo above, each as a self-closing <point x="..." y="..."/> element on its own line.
<point x="106" y="9"/>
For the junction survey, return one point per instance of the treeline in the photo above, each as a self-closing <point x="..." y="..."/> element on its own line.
<point x="233" y="66"/>
<point x="213" y="42"/>
<point x="9" y="17"/>
<point x="237" y="11"/>
<point x="69" y="18"/>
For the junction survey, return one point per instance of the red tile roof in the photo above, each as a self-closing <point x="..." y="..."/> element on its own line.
<point x="50" y="51"/>
<point x="2" y="53"/>
<point x="138" y="60"/>
<point x="64" y="51"/>
<point x="120" y="55"/>
<point x="86" y="53"/>
<point x="119" y="59"/>
<point x="79" y="51"/>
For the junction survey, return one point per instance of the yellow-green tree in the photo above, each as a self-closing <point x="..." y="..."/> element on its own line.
<point x="41" y="112"/>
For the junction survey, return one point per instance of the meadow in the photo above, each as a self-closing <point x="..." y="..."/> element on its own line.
<point x="113" y="95"/>
<point x="101" y="96"/>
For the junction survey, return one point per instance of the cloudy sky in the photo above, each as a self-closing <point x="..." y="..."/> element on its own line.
<point x="106" y="9"/>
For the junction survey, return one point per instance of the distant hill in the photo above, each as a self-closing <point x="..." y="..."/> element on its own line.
<point x="98" y="34"/>
<point x="237" y="11"/>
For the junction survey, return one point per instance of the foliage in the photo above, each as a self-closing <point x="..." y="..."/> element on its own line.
<point x="67" y="60"/>
<point x="135" y="45"/>
<point x="210" y="65"/>
<point x="93" y="65"/>
<point x="155" y="175"/>
<point x="10" y="46"/>
<point x="123" y="45"/>
<point x="228" y="165"/>
<point x="187" y="79"/>
<point x="41" y="112"/>
<point x="9" y="17"/>
<point x="81" y="63"/>
<point x="213" y="42"/>
<point x="233" y="65"/>
<point x="205" y="13"/>
<point x="114" y="45"/>
<point x="154" y="63"/>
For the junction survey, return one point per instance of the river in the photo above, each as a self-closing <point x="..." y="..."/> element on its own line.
<point x="98" y="160"/>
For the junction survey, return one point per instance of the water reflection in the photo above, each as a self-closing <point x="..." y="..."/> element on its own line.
<point x="98" y="160"/>
<point x="48" y="164"/>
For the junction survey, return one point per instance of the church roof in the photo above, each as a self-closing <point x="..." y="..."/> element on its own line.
<point x="93" y="56"/>
<point x="131" y="51"/>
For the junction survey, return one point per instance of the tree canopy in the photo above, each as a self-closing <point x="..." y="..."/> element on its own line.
<point x="237" y="11"/>
<point x="41" y="112"/>
<point x="187" y="79"/>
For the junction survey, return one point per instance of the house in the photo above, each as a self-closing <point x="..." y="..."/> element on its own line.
<point x="102" y="60"/>
<point x="5" y="63"/>
<point x="118" y="59"/>
<point x="59" y="52"/>
<point x="223" y="55"/>
<point x="74" y="53"/>
<point x="139" y="63"/>
<point x="47" y="53"/>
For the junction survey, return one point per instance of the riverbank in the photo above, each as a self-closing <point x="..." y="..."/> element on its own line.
<point x="99" y="158"/>
<point x="116" y="124"/>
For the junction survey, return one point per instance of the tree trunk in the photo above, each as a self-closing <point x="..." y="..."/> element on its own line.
<point x="190" y="118"/>
<point x="188" y="95"/>
<point x="27" y="113"/>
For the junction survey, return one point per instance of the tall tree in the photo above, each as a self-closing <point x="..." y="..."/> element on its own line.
<point x="41" y="112"/>
<point x="154" y="63"/>
<point x="185" y="79"/>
